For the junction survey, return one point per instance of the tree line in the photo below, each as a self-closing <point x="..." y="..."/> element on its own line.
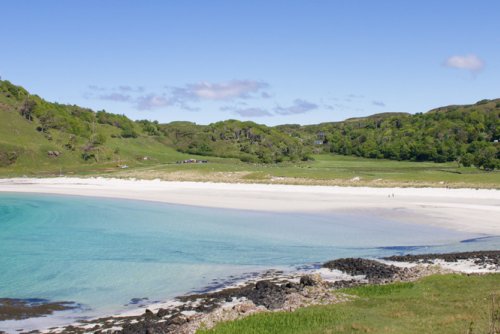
<point x="466" y="134"/>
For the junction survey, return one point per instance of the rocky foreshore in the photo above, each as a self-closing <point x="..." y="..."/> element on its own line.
<point x="18" y="309"/>
<point x="275" y="291"/>
<point x="483" y="258"/>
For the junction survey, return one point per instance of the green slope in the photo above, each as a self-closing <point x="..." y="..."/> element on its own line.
<point x="38" y="137"/>
<point x="468" y="134"/>
<point x="81" y="142"/>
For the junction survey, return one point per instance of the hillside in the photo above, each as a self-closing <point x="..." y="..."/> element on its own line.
<point x="37" y="136"/>
<point x="467" y="134"/>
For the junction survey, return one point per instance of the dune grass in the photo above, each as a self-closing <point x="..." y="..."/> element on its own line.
<point x="436" y="304"/>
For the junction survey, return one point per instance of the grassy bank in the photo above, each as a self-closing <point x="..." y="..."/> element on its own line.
<point x="323" y="170"/>
<point x="435" y="304"/>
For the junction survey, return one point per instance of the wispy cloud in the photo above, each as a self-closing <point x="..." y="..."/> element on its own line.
<point x="151" y="101"/>
<point x="266" y="95"/>
<point x="248" y="112"/>
<point x="115" y="97"/>
<point x="378" y="103"/>
<point x="299" y="106"/>
<point x="469" y="62"/>
<point x="235" y="89"/>
<point x="126" y="88"/>
<point x="96" y="88"/>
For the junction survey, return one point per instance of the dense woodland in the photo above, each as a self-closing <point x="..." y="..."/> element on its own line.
<point x="466" y="134"/>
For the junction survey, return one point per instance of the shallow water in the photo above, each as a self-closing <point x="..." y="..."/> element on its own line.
<point x="102" y="253"/>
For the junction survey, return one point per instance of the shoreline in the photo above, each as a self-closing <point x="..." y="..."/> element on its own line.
<point x="271" y="291"/>
<point x="466" y="209"/>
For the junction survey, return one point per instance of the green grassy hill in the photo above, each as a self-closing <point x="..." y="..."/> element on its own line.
<point x="44" y="138"/>
<point x="37" y="136"/>
<point x="468" y="134"/>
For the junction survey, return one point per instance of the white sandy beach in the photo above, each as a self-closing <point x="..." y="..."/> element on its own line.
<point x="470" y="210"/>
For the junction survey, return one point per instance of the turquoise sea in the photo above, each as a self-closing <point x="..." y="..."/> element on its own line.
<point x="102" y="253"/>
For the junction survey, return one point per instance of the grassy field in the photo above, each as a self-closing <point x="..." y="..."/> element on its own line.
<point x="436" y="304"/>
<point x="324" y="170"/>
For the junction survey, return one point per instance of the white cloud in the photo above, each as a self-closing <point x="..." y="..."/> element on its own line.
<point x="299" y="106"/>
<point x="248" y="112"/>
<point x="184" y="96"/>
<point x="469" y="62"/>
<point x="378" y="103"/>
<point x="152" y="101"/>
<point x="115" y="97"/>
<point x="126" y="88"/>
<point x="219" y="91"/>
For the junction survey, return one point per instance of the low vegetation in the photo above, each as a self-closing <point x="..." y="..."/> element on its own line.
<point x="435" y="304"/>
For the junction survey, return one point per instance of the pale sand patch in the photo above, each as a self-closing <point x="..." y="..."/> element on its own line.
<point x="470" y="210"/>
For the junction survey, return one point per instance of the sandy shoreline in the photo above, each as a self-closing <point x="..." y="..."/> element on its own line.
<point x="468" y="210"/>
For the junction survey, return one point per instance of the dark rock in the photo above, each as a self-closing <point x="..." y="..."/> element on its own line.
<point x="17" y="309"/>
<point x="267" y="294"/>
<point x="149" y="314"/>
<point x="178" y="320"/>
<point x="373" y="270"/>
<point x="147" y="327"/>
<point x="162" y="312"/>
<point x="343" y="284"/>
<point x="264" y="293"/>
<point x="263" y="285"/>
<point x="307" y="280"/>
<point x="479" y="257"/>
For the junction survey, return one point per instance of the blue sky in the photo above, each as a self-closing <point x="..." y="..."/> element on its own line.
<point x="272" y="62"/>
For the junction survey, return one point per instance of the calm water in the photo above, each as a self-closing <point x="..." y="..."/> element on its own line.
<point x="103" y="252"/>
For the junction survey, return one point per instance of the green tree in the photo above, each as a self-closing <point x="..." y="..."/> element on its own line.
<point x="485" y="158"/>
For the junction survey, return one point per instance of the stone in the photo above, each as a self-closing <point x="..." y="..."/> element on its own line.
<point x="308" y="280"/>
<point x="162" y="312"/>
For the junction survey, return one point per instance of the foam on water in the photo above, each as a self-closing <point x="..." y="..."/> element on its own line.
<point x="102" y="253"/>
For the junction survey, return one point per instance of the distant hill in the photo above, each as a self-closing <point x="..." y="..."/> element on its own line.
<point x="37" y="135"/>
<point x="468" y="134"/>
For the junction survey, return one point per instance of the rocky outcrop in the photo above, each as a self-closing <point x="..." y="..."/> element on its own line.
<point x="17" y="309"/>
<point x="273" y="291"/>
<point x="479" y="257"/>
<point x="374" y="271"/>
